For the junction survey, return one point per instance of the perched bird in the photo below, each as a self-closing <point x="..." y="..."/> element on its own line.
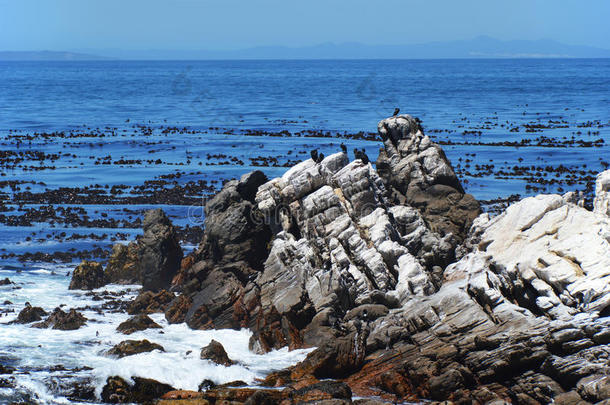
<point x="396" y="111"/>
<point x="344" y="148"/>
<point x="320" y="158"/>
<point x="356" y="154"/>
<point x="314" y="155"/>
<point x="364" y="157"/>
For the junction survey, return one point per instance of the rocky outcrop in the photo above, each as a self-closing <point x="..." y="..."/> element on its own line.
<point x="123" y="264"/>
<point x="216" y="353"/>
<point x="87" y="276"/>
<point x="131" y="347"/>
<point x="30" y="314"/>
<point x="417" y="173"/>
<point x="148" y="302"/>
<point x="119" y="391"/>
<point x="137" y="323"/>
<point x="406" y="292"/>
<point x="61" y="320"/>
<point x="159" y="251"/>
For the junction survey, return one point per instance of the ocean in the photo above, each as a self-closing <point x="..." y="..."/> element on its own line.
<point x="86" y="147"/>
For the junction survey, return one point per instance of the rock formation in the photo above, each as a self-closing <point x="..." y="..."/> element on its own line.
<point x="87" y="276"/>
<point x="216" y="353"/>
<point x="406" y="291"/>
<point x="123" y="265"/>
<point x="137" y="323"/>
<point x="159" y="251"/>
<point x="61" y="320"/>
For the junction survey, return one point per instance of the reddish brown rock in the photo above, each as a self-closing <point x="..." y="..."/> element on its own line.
<point x="177" y="309"/>
<point x="216" y="353"/>
<point x="148" y="302"/>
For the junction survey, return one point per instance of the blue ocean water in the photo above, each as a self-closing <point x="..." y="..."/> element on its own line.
<point x="79" y="139"/>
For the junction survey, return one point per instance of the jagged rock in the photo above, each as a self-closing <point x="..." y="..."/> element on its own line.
<point x="30" y="314"/>
<point x="601" y="203"/>
<point x="131" y="347"/>
<point x="137" y="323"/>
<point x="61" y="320"/>
<point x="177" y="309"/>
<point x="119" y="391"/>
<point x="159" y="250"/>
<point x="88" y="276"/>
<point x="416" y="171"/>
<point x="216" y="353"/>
<point x="148" y="302"/>
<point x="6" y="281"/>
<point x="122" y="267"/>
<point x="335" y="359"/>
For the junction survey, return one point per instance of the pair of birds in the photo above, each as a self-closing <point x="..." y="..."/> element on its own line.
<point x="358" y="154"/>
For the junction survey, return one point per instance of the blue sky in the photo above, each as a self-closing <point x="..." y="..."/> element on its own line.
<point x="234" y="24"/>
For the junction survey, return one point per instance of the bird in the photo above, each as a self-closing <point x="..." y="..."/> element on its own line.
<point x="364" y="157"/>
<point x="314" y="155"/>
<point x="344" y="148"/>
<point x="356" y="154"/>
<point x="396" y="111"/>
<point x="320" y="158"/>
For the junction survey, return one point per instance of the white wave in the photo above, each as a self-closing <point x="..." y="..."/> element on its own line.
<point x="179" y="365"/>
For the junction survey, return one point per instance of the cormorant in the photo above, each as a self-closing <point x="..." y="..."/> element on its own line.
<point x="344" y="148"/>
<point x="314" y="155"/>
<point x="320" y="157"/>
<point x="364" y="157"/>
<point x="356" y="154"/>
<point x="396" y="111"/>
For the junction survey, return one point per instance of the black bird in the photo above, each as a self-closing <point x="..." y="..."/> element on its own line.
<point x="356" y="154"/>
<point x="364" y="157"/>
<point x="314" y="155"/>
<point x="344" y="148"/>
<point x="396" y="111"/>
<point x="320" y="158"/>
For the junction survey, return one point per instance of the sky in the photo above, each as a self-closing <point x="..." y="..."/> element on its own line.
<point x="69" y="25"/>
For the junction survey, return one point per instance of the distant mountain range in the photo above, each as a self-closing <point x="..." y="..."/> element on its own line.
<point x="479" y="47"/>
<point x="47" y="56"/>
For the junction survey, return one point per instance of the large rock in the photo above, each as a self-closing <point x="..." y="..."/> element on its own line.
<point x="416" y="171"/>
<point x="148" y="302"/>
<point x="88" y="276"/>
<point x="123" y="264"/>
<point x="159" y="251"/>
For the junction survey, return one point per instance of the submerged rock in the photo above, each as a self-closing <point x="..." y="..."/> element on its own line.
<point x="87" y="276"/>
<point x="216" y="353"/>
<point x="131" y="347"/>
<point x="61" y="320"/>
<point x="137" y="323"/>
<point x="159" y="251"/>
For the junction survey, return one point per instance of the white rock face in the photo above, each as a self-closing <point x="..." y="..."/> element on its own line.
<point x="601" y="204"/>
<point x="556" y="248"/>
